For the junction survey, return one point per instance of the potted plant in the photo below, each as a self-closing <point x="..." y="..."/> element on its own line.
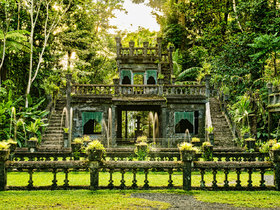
<point x="13" y="145"/>
<point x="250" y="143"/>
<point x="141" y="149"/>
<point x="77" y="144"/>
<point x="275" y="152"/>
<point x="160" y="79"/>
<point x="207" y="149"/>
<point x="196" y="141"/>
<point x="187" y="151"/>
<point x="32" y="144"/>
<point x="4" y="151"/>
<point x="95" y="151"/>
<point x="86" y="140"/>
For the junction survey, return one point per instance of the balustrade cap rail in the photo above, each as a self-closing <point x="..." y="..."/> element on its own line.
<point x="46" y="164"/>
<point x="232" y="165"/>
<point x="142" y="164"/>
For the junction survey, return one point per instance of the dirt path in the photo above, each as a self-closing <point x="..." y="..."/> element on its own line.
<point x="184" y="201"/>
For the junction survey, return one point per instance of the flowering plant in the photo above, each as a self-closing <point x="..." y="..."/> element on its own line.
<point x="95" y="145"/>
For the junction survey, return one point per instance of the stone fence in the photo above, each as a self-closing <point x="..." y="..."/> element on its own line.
<point x="127" y="154"/>
<point x="131" y="171"/>
<point x="136" y="90"/>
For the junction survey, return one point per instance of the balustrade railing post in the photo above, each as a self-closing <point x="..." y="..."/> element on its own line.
<point x="94" y="174"/>
<point x="68" y="104"/>
<point x="187" y="157"/>
<point x="4" y="155"/>
<point x="276" y="161"/>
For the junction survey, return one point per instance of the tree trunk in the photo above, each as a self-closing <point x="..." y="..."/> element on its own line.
<point x="275" y="64"/>
<point x="236" y="15"/>
<point x="19" y="5"/>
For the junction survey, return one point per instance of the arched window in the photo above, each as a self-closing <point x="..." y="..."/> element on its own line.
<point x="126" y="80"/>
<point x="183" y="125"/>
<point x="151" y="81"/>
<point x="92" y="127"/>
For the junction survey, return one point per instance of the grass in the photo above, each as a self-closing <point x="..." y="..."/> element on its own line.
<point x="115" y="199"/>
<point x="155" y="178"/>
<point x="78" y="199"/>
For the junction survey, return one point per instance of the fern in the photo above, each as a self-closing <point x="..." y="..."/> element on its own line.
<point x="189" y="73"/>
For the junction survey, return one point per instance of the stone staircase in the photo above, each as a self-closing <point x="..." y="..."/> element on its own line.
<point x="52" y="139"/>
<point x="165" y="70"/>
<point x="223" y="137"/>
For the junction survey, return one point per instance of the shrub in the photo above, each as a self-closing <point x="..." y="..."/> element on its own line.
<point x="276" y="146"/>
<point x="95" y="145"/>
<point x="195" y="139"/>
<point x="206" y="143"/>
<point x="33" y="139"/>
<point x="78" y="141"/>
<point x="4" y="145"/>
<point x="187" y="147"/>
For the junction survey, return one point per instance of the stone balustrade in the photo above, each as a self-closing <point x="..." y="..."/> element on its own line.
<point x="134" y="90"/>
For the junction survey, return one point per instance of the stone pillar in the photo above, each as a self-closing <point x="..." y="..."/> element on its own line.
<point x="159" y="42"/>
<point x="171" y="48"/>
<point x="131" y="48"/>
<point x="119" y="46"/>
<point x="68" y="106"/>
<point x="4" y="155"/>
<point x="94" y="175"/>
<point x="145" y="45"/>
<point x="187" y="157"/>
<point x="114" y="125"/>
<point x="207" y="83"/>
<point x="275" y="157"/>
<point x="163" y="125"/>
<point x="159" y="45"/>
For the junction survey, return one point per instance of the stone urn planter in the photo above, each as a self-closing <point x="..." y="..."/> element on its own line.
<point x="95" y="151"/>
<point x="274" y="155"/>
<point x="211" y="138"/>
<point x="250" y="143"/>
<point x="32" y="144"/>
<point x="187" y="155"/>
<point x="95" y="155"/>
<point x="116" y="81"/>
<point x="13" y="145"/>
<point x="207" y="150"/>
<point x="4" y="154"/>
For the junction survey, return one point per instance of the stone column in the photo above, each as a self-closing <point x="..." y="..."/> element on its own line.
<point x="163" y="125"/>
<point x="119" y="46"/>
<point x="114" y="125"/>
<point x="207" y="83"/>
<point x="94" y="175"/>
<point x="187" y="158"/>
<point x="171" y="48"/>
<point x="68" y="105"/>
<point x="131" y="48"/>
<point x="4" y="155"/>
<point x="145" y="45"/>
<point x="275" y="156"/>
<point x="159" y="45"/>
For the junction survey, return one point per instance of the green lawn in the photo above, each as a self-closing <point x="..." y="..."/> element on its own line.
<point x="155" y="178"/>
<point x="112" y="199"/>
<point x="117" y="199"/>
